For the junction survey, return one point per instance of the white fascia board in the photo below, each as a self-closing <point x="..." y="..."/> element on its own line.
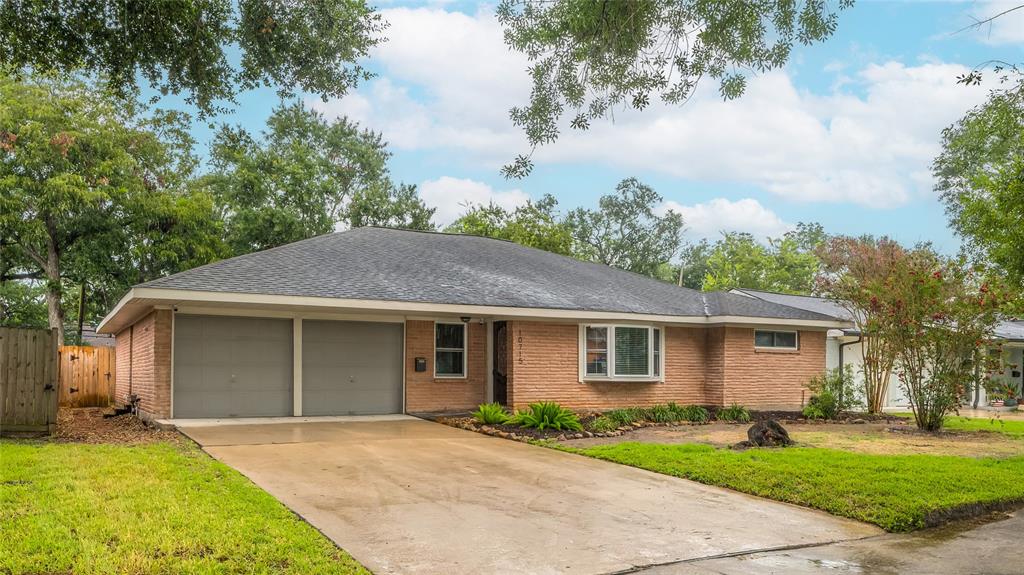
<point x="182" y="297"/>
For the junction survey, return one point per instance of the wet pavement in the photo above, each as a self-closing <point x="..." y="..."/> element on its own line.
<point x="982" y="548"/>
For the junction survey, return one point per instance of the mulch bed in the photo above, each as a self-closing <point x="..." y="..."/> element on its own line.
<point x="517" y="433"/>
<point x="87" y="425"/>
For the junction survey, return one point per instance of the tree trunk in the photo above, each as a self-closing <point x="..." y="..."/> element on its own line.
<point x="53" y="284"/>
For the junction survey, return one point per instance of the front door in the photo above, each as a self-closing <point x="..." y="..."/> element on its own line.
<point x="501" y="362"/>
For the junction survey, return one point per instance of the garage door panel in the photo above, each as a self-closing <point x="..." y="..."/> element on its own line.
<point x="351" y="367"/>
<point x="232" y="366"/>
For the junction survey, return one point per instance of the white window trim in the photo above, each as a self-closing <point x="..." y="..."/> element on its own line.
<point x="796" y="340"/>
<point x="465" y="350"/>
<point x="649" y="376"/>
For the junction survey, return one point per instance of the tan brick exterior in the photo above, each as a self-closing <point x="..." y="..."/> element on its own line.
<point x="144" y="364"/>
<point x="424" y="392"/>
<point x="709" y="366"/>
<point x="545" y="367"/>
<point x="770" y="379"/>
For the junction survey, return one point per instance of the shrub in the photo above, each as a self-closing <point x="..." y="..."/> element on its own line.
<point x="602" y="424"/>
<point x="661" y="414"/>
<point x="822" y="406"/>
<point x="734" y="412"/>
<point x="694" y="413"/>
<point x="833" y="393"/>
<point x="547" y="415"/>
<point x="491" y="414"/>
<point x="622" y="416"/>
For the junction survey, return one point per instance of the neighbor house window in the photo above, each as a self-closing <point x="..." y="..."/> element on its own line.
<point x="620" y="351"/>
<point x="450" y="349"/>
<point x="775" y="339"/>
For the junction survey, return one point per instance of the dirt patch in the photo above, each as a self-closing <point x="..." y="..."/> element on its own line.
<point x="87" y="425"/>
<point x="876" y="438"/>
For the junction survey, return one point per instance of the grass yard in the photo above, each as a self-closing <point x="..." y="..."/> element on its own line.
<point x="154" y="508"/>
<point x="1013" y="428"/>
<point x="895" y="492"/>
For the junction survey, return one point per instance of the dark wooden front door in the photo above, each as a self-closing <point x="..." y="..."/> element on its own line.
<point x="500" y="362"/>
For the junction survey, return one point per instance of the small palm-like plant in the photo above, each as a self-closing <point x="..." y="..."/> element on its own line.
<point x="547" y="415"/>
<point x="694" y="413"/>
<point x="491" y="414"/>
<point x="734" y="412"/>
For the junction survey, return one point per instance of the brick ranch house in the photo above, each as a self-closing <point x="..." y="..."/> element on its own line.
<point x="375" y="321"/>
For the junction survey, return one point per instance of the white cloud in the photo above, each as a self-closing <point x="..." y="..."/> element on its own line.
<point x="709" y="219"/>
<point x="1005" y="29"/>
<point x="448" y="80"/>
<point x="451" y="196"/>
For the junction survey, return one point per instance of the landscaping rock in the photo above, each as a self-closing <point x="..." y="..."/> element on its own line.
<point x="768" y="433"/>
<point x="858" y="421"/>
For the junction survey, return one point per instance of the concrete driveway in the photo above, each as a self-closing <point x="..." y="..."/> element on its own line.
<point x="411" y="496"/>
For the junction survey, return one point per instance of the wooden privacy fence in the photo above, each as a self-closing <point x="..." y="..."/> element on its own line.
<point x="86" y="376"/>
<point x="28" y="380"/>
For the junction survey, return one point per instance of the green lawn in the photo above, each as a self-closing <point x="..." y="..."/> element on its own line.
<point x="896" y="492"/>
<point x="1010" y="427"/>
<point x="158" y="508"/>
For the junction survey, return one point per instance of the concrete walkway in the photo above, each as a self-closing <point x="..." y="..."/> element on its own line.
<point x="410" y="496"/>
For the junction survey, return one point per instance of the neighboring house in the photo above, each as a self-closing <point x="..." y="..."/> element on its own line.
<point x="374" y="320"/>
<point x="843" y="345"/>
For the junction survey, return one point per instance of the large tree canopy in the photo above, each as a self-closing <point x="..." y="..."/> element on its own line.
<point x="787" y="264"/>
<point x="980" y="176"/>
<point x="589" y="57"/>
<point x="207" y="50"/>
<point x="304" y="176"/>
<point x="536" y="224"/>
<point x="91" y="192"/>
<point x="625" y="231"/>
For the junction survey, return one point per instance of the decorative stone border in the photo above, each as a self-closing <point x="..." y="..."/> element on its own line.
<point x="470" y="424"/>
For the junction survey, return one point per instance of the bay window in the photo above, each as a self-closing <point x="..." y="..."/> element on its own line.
<point x="620" y="352"/>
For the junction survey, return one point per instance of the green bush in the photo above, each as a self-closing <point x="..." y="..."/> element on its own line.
<point x="734" y="412"/>
<point x="547" y="415"/>
<point x="602" y="424"/>
<point x="661" y="414"/>
<point x="622" y="416"/>
<point x="822" y="406"/>
<point x="832" y="393"/>
<point x="491" y="414"/>
<point x="694" y="413"/>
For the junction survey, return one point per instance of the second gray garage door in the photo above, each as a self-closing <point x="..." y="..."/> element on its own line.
<point x="351" y="368"/>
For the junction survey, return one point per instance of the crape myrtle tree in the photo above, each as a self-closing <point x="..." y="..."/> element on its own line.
<point x="856" y="274"/>
<point x="589" y="58"/>
<point x="939" y="315"/>
<point x="92" y="192"/>
<point x="207" y="51"/>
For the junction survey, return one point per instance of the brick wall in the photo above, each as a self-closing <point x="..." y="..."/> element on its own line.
<point x="424" y="392"/>
<point x="545" y="367"/>
<point x="770" y="379"/>
<point x="144" y="363"/>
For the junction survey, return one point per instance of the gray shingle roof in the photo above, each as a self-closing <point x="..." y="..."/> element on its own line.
<point x="1012" y="330"/>
<point x="820" y="305"/>
<point x="423" y="267"/>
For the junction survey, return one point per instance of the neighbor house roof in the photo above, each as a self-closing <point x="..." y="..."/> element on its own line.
<point x="380" y="264"/>
<point x="1011" y="330"/>
<point x="820" y="305"/>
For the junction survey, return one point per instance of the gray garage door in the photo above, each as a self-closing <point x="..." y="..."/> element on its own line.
<point x="351" y="367"/>
<point x="232" y="366"/>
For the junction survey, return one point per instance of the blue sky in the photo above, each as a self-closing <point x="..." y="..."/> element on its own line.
<point x="844" y="135"/>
